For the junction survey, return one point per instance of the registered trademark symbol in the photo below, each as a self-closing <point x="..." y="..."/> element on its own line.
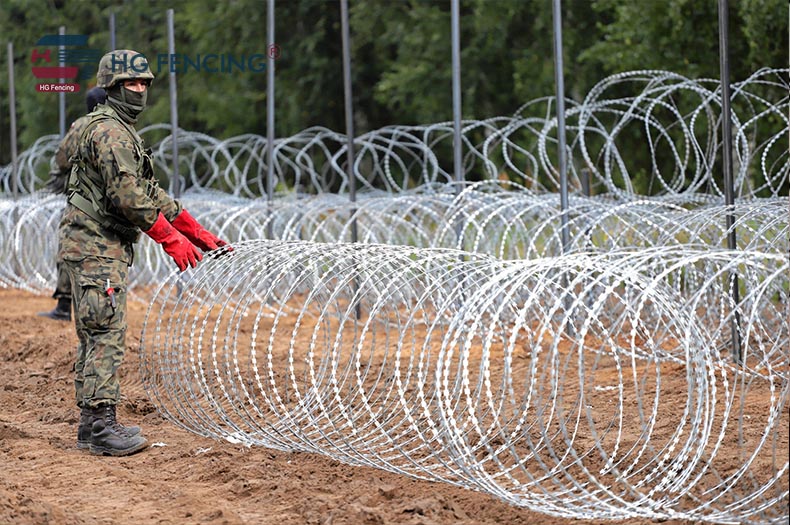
<point x="274" y="51"/>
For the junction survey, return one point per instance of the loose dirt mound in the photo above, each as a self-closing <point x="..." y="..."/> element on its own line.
<point x="183" y="478"/>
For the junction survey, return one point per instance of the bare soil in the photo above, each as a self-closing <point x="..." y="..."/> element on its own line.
<point x="184" y="478"/>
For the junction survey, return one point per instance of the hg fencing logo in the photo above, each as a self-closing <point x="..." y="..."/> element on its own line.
<point x="72" y="52"/>
<point x="207" y="63"/>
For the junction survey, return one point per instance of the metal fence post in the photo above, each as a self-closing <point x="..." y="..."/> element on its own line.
<point x="175" y="183"/>
<point x="726" y="150"/>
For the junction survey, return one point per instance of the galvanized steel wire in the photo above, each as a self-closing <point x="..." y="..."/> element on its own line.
<point x="677" y="117"/>
<point x="542" y="382"/>
<point x="458" y="340"/>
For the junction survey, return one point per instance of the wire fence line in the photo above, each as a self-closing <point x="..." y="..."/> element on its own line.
<point x="468" y="369"/>
<point x="677" y="119"/>
<point x="482" y="218"/>
<point x="460" y="339"/>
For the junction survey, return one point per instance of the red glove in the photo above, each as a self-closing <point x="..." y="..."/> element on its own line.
<point x="175" y="245"/>
<point x="200" y="237"/>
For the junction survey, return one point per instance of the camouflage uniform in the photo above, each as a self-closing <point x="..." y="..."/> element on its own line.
<point x="61" y="162"/>
<point x="59" y="173"/>
<point x="113" y="154"/>
<point x="58" y="181"/>
<point x="113" y="196"/>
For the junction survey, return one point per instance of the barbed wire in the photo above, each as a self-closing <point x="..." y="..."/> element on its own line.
<point x="585" y="385"/>
<point x="482" y="218"/>
<point x="460" y="339"/>
<point x="675" y="117"/>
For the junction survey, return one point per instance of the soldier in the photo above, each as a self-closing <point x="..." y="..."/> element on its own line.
<point x="113" y="196"/>
<point x="59" y="174"/>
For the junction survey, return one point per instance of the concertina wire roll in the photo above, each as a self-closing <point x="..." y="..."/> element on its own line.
<point x="460" y="340"/>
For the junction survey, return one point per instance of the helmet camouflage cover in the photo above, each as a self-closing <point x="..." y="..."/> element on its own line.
<point x="122" y="64"/>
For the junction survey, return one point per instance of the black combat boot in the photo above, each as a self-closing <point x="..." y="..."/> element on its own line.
<point x="108" y="438"/>
<point x="86" y="425"/>
<point x="62" y="311"/>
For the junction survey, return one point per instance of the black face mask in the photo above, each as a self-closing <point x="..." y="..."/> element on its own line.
<point x="129" y="104"/>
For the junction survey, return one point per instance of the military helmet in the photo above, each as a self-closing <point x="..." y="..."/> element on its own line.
<point x="122" y="64"/>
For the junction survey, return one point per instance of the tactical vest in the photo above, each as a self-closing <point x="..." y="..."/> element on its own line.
<point x="86" y="187"/>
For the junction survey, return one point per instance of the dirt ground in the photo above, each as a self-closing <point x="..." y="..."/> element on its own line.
<point x="184" y="479"/>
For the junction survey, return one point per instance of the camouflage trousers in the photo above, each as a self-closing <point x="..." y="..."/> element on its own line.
<point x="63" y="286"/>
<point x="101" y="329"/>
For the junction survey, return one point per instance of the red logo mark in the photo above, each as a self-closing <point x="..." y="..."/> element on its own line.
<point x="46" y="55"/>
<point x="55" y="72"/>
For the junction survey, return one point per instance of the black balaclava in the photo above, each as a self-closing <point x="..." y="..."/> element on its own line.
<point x="127" y="103"/>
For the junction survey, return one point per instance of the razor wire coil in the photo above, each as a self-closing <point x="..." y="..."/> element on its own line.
<point x="464" y="368"/>
<point x="460" y="339"/>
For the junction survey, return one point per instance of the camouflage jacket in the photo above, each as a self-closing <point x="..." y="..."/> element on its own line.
<point x="60" y="166"/>
<point x="112" y="157"/>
